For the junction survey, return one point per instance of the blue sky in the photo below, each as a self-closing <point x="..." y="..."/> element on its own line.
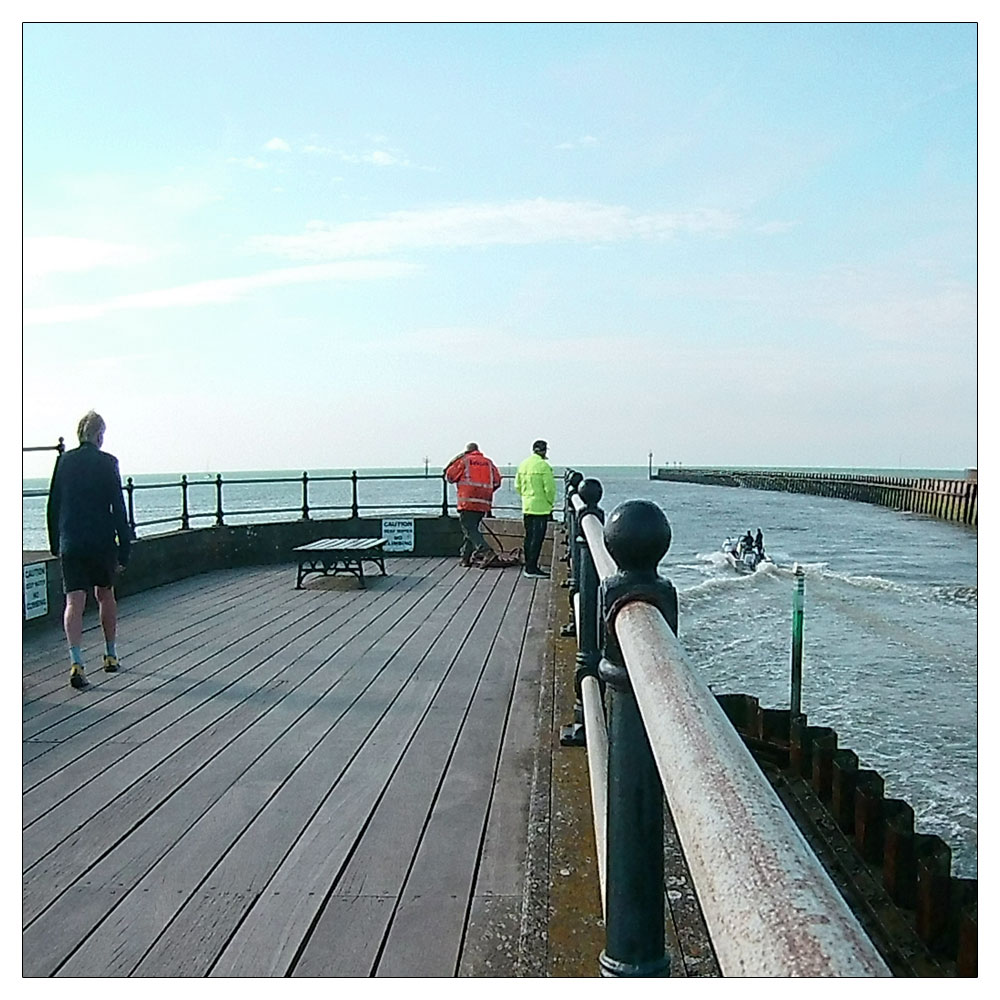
<point x="344" y="245"/>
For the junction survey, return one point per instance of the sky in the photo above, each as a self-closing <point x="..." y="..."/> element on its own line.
<point x="345" y="245"/>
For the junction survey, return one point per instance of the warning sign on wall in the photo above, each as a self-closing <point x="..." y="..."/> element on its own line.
<point x="398" y="534"/>
<point x="36" y="594"/>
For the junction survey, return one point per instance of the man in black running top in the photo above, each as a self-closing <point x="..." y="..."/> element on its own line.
<point x="89" y="531"/>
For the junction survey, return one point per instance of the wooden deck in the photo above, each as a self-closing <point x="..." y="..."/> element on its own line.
<point x="320" y="782"/>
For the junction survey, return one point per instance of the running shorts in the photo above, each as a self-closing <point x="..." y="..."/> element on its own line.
<point x="83" y="570"/>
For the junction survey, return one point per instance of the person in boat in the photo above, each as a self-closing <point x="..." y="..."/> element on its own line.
<point x="89" y="532"/>
<point x="759" y="543"/>
<point x="747" y="541"/>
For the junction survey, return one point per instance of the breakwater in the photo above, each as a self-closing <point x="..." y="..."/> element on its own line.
<point x="946" y="499"/>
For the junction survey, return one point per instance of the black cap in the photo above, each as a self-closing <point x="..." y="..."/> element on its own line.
<point x="540" y="446"/>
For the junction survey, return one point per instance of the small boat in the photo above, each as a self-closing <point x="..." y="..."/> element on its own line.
<point x="744" y="558"/>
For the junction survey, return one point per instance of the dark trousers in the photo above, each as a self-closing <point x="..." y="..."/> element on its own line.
<point x="534" y="535"/>
<point x="472" y="538"/>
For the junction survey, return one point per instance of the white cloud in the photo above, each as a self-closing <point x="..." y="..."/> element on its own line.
<point x="377" y="157"/>
<point x="381" y="155"/>
<point x="45" y="255"/>
<point x="220" y="290"/>
<point x="517" y="223"/>
<point x="277" y="145"/>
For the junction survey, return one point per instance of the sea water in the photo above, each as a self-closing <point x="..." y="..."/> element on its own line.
<point x="890" y="652"/>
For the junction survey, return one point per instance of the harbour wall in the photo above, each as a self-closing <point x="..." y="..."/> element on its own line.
<point x="946" y="499"/>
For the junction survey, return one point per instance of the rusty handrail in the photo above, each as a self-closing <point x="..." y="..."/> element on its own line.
<point x="769" y="905"/>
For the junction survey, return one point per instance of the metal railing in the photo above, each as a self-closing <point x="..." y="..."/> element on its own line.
<point x="305" y="507"/>
<point x="653" y="729"/>
<point x="59" y="447"/>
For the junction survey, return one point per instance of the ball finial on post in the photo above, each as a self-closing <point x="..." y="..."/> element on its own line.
<point x="637" y="535"/>
<point x="590" y="492"/>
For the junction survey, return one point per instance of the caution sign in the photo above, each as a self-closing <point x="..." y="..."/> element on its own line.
<point x="36" y="591"/>
<point x="398" y="534"/>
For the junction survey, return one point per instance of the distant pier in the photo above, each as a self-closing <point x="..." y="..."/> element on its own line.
<point x="946" y="499"/>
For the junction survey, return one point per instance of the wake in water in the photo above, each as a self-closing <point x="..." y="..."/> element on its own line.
<point x="889" y="657"/>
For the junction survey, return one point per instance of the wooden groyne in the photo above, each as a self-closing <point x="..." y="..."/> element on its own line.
<point x="896" y="880"/>
<point x="946" y="499"/>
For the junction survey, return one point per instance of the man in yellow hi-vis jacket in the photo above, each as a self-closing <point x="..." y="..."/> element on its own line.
<point x="536" y="484"/>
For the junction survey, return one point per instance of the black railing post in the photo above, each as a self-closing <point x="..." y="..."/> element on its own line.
<point x="444" y="496"/>
<point x="185" y="519"/>
<point x="588" y="633"/>
<point x="637" y="536"/>
<point x="218" y="499"/>
<point x="130" y="493"/>
<point x="572" y="539"/>
<point x="573" y="480"/>
<point x="61" y="447"/>
<point x="305" y="496"/>
<point x="354" y="493"/>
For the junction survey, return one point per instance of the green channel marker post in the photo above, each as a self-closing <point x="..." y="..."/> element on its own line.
<point x="798" y="602"/>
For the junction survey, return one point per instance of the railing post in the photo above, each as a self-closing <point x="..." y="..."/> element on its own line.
<point x="588" y="633"/>
<point x="571" y="535"/>
<point x="61" y="446"/>
<point x="305" y="496"/>
<point x="354" y="493"/>
<point x="637" y="536"/>
<point x="573" y="480"/>
<point x="130" y="493"/>
<point x="798" y="602"/>
<point x="218" y="499"/>
<point x="185" y="519"/>
<point x="444" y="496"/>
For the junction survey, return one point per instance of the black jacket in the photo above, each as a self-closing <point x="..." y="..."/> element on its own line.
<point x="86" y="512"/>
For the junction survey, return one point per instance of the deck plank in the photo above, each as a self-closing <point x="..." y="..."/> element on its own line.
<point x="318" y="856"/>
<point x="126" y="706"/>
<point x="183" y="702"/>
<point x="144" y="653"/>
<point x="196" y="599"/>
<point x="493" y="945"/>
<point x="380" y="862"/>
<point x="203" y="777"/>
<point x="427" y="931"/>
<point x="252" y="863"/>
<point x="281" y="782"/>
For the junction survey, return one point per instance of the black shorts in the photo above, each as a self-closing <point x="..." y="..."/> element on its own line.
<point x="81" y="571"/>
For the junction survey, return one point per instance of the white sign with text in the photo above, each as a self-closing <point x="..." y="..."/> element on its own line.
<point x="36" y="594"/>
<point x="398" y="534"/>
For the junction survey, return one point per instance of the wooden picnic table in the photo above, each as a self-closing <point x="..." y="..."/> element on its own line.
<point x="330" y="556"/>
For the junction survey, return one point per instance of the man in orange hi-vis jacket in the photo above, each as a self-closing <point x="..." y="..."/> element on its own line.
<point x="477" y="478"/>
